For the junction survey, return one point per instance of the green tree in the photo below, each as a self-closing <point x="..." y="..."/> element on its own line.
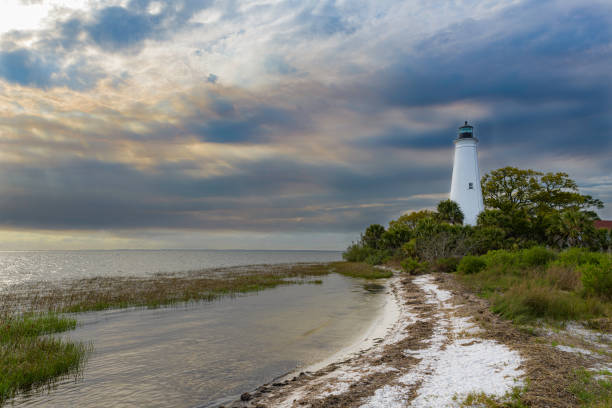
<point x="396" y="235"/>
<point x="372" y="237"/>
<point x="572" y="228"/>
<point x="510" y="188"/>
<point x="410" y="220"/>
<point x="488" y="238"/>
<point x="558" y="192"/>
<point x="449" y="211"/>
<point x="435" y="239"/>
<point x="516" y="224"/>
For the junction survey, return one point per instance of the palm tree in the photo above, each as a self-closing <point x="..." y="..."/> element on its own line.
<point x="571" y="228"/>
<point x="449" y="211"/>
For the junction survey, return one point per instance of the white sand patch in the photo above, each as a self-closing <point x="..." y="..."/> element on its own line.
<point x="435" y="294"/>
<point x="591" y="336"/>
<point x="460" y="369"/>
<point x="450" y="369"/>
<point x="340" y="381"/>
<point x="569" y="349"/>
<point x="387" y="397"/>
<point x="603" y="371"/>
<point x="464" y="325"/>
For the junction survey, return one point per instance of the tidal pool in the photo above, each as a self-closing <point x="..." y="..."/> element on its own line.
<point x="207" y="354"/>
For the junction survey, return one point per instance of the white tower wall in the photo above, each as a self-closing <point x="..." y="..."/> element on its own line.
<point x="465" y="185"/>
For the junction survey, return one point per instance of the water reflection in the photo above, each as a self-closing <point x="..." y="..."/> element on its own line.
<point x="207" y="354"/>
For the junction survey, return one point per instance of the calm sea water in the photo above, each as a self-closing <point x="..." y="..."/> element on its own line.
<point x="208" y="354"/>
<point x="23" y="266"/>
<point x="197" y="355"/>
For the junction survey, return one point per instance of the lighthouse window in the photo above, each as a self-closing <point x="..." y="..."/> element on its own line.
<point x="470" y="186"/>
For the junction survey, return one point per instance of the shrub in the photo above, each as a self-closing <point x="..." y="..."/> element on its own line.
<point x="597" y="279"/>
<point x="471" y="264"/>
<point x="579" y="256"/>
<point x="537" y="256"/>
<point x="376" y="257"/>
<point x="447" y="265"/>
<point x="501" y="258"/>
<point x="357" y="253"/>
<point x="414" y="267"/>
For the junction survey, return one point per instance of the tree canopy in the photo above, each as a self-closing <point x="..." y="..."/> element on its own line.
<point x="523" y="207"/>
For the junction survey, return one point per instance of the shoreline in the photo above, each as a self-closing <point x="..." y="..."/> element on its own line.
<point x="441" y="347"/>
<point x="378" y="329"/>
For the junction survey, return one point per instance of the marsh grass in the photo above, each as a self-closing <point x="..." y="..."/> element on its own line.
<point x="30" y="359"/>
<point x="166" y="289"/>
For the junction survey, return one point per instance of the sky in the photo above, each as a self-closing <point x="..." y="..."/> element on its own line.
<point x="266" y="124"/>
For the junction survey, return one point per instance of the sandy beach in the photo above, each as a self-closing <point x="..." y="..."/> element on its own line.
<point x="435" y="345"/>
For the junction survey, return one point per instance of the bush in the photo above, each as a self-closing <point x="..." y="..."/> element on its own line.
<point x="579" y="256"/>
<point x="471" y="264"/>
<point x="501" y="258"/>
<point x="537" y="256"/>
<point x="377" y="257"/>
<point x="414" y="267"/>
<point x="357" y="253"/>
<point x="597" y="279"/>
<point x="447" y="265"/>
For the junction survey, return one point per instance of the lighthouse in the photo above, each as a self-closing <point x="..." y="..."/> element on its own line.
<point x="465" y="185"/>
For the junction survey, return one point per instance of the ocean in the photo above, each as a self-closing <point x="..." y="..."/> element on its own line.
<point x="202" y="354"/>
<point x="25" y="266"/>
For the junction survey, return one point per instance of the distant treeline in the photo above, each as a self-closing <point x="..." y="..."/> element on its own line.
<point x="523" y="209"/>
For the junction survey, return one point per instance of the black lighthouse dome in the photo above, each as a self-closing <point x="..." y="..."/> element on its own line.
<point x="466" y="131"/>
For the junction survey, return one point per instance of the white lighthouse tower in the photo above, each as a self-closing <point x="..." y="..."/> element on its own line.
<point x="465" y="186"/>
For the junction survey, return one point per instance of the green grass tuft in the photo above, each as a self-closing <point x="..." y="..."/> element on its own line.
<point x="28" y="360"/>
<point x="591" y="391"/>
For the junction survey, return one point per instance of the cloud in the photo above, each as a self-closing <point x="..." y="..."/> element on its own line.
<point x="26" y="68"/>
<point x="119" y="29"/>
<point x="276" y="64"/>
<point x="330" y="116"/>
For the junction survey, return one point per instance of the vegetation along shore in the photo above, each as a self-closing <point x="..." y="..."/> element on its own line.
<point x="535" y="259"/>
